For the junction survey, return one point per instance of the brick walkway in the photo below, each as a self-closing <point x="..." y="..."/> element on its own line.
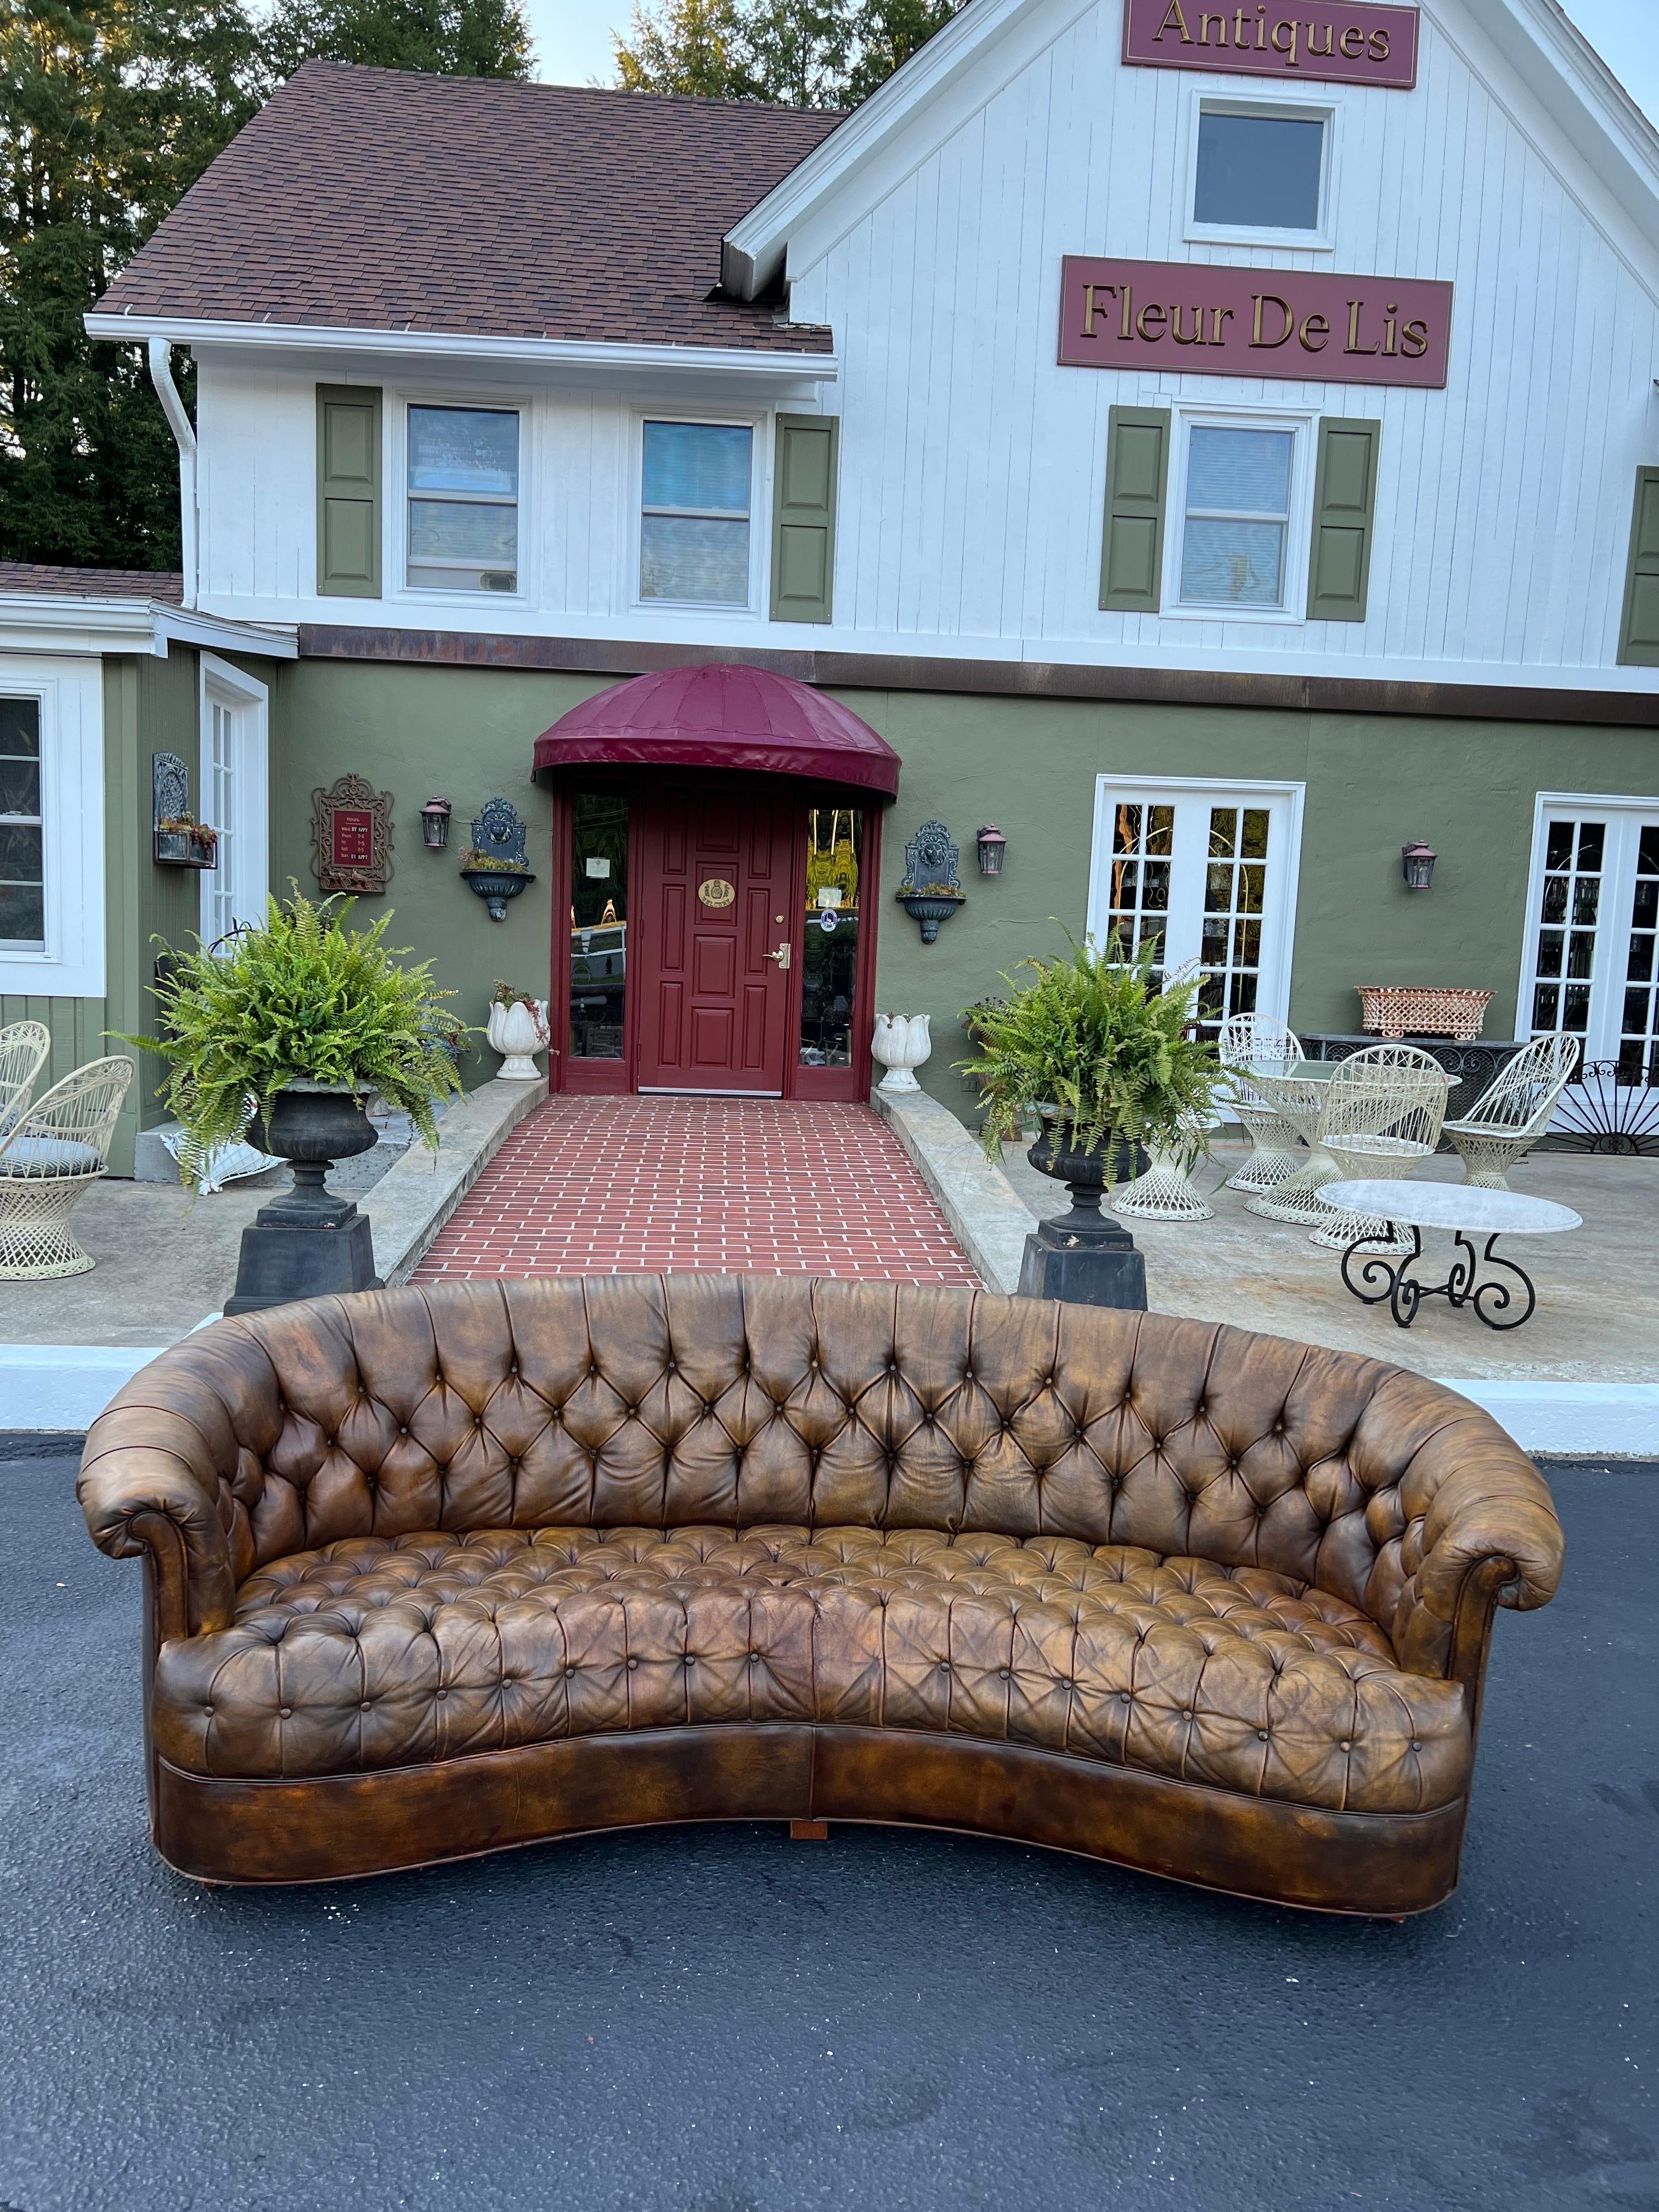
<point x="622" y="1186"/>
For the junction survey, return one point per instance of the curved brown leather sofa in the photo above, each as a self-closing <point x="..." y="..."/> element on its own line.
<point x="433" y="1571"/>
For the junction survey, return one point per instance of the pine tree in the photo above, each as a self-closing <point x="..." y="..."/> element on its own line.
<point x="452" y="37"/>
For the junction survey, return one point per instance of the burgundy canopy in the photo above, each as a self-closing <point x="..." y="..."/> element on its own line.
<point x="722" y="716"/>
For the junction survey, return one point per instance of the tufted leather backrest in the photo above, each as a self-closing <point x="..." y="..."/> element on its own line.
<point x="650" y="1401"/>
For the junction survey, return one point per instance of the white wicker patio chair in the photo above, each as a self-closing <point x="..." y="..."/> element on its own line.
<point x="1252" y="1044"/>
<point x="23" y="1049"/>
<point x="1166" y="1191"/>
<point x="56" y="1151"/>
<point x="1381" y="1120"/>
<point x="1513" y="1112"/>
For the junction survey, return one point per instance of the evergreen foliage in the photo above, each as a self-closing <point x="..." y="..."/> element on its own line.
<point x="301" y="998"/>
<point x="1094" y="1036"/>
<point x="804" y="53"/>
<point x="109" y="111"/>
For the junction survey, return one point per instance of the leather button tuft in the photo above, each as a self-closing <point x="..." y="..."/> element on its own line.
<point x="1187" y="1714"/>
<point x="1005" y="1674"/>
<point x="569" y="1672"/>
<point x="367" y="1705"/>
<point x="285" y="1712"/>
<point x="1261" y="1735"/>
<point x="208" y="1709"/>
<point x="632" y="1664"/>
<point x="1417" y="1741"/>
<point x="1125" y="1697"/>
<point x="1345" y="1745"/>
<point x="442" y="1694"/>
<point x="944" y="1666"/>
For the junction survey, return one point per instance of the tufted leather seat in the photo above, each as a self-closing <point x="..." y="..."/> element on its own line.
<point x="905" y="1552"/>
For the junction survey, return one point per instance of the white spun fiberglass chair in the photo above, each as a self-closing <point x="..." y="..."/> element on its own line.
<point x="1380" y="1120"/>
<point x="1251" y="1044"/>
<point x="23" y="1049"/>
<point x="1514" y="1111"/>
<point x="54" y="1153"/>
<point x="1166" y="1191"/>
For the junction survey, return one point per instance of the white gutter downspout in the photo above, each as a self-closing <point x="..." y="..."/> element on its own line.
<point x="160" y="375"/>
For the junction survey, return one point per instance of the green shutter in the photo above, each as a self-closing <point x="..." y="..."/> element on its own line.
<point x="1344" y="520"/>
<point x="348" y="491"/>
<point x="804" y="517"/>
<point x="1638" y="628"/>
<point x="1136" y="478"/>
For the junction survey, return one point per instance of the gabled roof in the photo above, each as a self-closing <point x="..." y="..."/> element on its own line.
<point x="918" y="103"/>
<point x="379" y="200"/>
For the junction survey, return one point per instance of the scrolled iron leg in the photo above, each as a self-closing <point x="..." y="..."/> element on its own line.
<point x="1499" y="1295"/>
<point x="1374" y="1268"/>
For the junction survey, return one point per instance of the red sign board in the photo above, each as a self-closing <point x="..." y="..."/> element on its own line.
<point x="354" y="837"/>
<point x="1331" y="41"/>
<point x="1254" y="322"/>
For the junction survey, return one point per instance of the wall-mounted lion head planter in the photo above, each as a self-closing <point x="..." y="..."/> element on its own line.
<point x="932" y="890"/>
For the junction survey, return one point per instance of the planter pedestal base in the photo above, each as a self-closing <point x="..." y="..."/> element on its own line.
<point x="303" y="1251"/>
<point x="1086" y="1267"/>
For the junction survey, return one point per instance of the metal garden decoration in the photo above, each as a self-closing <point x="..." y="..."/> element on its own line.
<point x="494" y="864"/>
<point x="932" y="890"/>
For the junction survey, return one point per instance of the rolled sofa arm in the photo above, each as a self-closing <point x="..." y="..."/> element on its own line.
<point x="148" y="1485"/>
<point x="1481" y="1532"/>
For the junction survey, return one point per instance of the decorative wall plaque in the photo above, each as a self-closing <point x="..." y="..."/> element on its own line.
<point x="351" y="836"/>
<point x="1334" y="41"/>
<point x="716" y="892"/>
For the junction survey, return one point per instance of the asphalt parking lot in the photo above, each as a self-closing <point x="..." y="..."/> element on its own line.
<point x="718" y="2020"/>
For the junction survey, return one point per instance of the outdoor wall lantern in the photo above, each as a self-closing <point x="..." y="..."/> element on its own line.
<point x="1417" y="862"/>
<point x="435" y="823"/>
<point x="991" y="842"/>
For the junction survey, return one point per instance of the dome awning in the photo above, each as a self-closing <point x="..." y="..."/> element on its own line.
<point x="721" y="716"/>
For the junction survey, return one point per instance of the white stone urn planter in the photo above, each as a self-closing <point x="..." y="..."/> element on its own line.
<point x="517" y="1030"/>
<point x="901" y="1043"/>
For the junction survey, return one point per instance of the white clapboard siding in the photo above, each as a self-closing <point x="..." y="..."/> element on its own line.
<point x="973" y="467"/>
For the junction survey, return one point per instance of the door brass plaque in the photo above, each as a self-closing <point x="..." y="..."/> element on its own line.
<point x="716" y="892"/>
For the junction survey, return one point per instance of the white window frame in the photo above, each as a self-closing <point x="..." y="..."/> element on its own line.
<point x="1613" y="805"/>
<point x="69" y="963"/>
<point x="487" y="403"/>
<point x="1293" y="108"/>
<point x="1224" y="415"/>
<point x="219" y="682"/>
<point x="1273" y="986"/>
<point x="760" y="535"/>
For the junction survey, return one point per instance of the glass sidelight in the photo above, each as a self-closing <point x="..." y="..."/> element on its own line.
<point x="1593" y="939"/>
<point x="830" y="954"/>
<point x="598" y="925"/>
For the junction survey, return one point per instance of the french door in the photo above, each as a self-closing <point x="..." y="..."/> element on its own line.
<point x="1593" y="926"/>
<point x="1206" y="871"/>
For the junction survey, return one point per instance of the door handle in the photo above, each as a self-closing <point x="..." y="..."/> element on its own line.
<point x="781" y="955"/>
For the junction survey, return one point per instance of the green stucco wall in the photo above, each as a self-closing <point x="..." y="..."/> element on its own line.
<point x="1372" y="782"/>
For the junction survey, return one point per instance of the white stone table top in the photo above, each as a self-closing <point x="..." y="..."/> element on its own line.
<point x="1452" y="1205"/>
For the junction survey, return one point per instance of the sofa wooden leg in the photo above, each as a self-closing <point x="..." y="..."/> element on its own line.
<point x="808" y="1832"/>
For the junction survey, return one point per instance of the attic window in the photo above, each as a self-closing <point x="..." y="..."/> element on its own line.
<point x="462" y="499"/>
<point x="1261" y="169"/>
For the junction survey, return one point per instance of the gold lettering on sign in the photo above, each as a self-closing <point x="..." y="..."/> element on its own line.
<point x="1271" y="300"/>
<point x="1353" y="344"/>
<point x="1179" y="336"/>
<point x="1124" y="330"/>
<point x="1239" y="39"/>
<point x="1354" y="33"/>
<point x="1414" y="339"/>
<point x="1203" y="23"/>
<point x="1388" y="314"/>
<point x="1379" y="46"/>
<point x="1295" y="30"/>
<point x="1217" y="316"/>
<point x="1146" y="316"/>
<point x="1092" y="305"/>
<point x="1314" y="29"/>
<point x="716" y="892"/>
<point x="1172" y="16"/>
<point x="1314" y="334"/>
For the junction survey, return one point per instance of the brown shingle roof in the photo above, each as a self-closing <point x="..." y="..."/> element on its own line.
<point x="375" y="199"/>
<point x="92" y="583"/>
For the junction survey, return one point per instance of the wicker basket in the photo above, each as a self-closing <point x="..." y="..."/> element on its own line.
<point x="1395" y="1009"/>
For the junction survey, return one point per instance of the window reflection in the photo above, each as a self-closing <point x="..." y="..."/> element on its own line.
<point x="599" y="924"/>
<point x="829" y="959"/>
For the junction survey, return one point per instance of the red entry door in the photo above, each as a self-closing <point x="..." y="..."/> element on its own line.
<point x="715" y="947"/>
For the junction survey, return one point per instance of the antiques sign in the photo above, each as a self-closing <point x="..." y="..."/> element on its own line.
<point x="1254" y="322"/>
<point x="1360" y="43"/>
<point x="351" y="836"/>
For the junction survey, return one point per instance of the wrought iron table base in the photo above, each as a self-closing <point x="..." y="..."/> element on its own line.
<point x="1404" y="1293"/>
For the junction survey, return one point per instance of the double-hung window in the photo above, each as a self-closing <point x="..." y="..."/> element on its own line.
<point x="1236" y="525"/>
<point x="22" y="869"/>
<point x="464" y="498"/>
<point x="695" y="514"/>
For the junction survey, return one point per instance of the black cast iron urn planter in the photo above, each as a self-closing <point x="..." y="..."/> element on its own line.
<point x="308" y="1242"/>
<point x="1083" y="1256"/>
<point x="932" y="890"/>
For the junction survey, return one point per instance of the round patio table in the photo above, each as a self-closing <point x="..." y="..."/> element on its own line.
<point x="1297" y="1096"/>
<point x="1469" y="1212"/>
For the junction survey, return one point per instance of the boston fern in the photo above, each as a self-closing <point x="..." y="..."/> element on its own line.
<point x="300" y="999"/>
<point x="1094" y="1037"/>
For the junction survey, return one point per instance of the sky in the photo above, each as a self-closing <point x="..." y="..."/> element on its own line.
<point x="573" y="41"/>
